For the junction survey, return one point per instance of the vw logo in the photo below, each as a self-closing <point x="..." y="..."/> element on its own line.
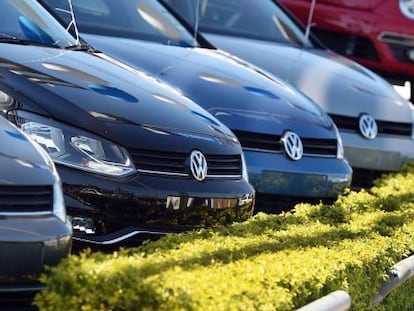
<point x="198" y="165"/>
<point x="368" y="126"/>
<point x="293" y="145"/>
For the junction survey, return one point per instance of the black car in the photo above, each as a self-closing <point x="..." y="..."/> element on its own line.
<point x="135" y="156"/>
<point x="34" y="229"/>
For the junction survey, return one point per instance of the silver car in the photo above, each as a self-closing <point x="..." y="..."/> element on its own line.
<point x="34" y="229"/>
<point x="375" y="122"/>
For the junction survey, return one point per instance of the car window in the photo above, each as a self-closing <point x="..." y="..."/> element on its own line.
<point x="25" y="20"/>
<point x="259" y="20"/>
<point x="148" y="20"/>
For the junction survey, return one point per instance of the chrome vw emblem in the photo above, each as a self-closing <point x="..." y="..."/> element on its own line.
<point x="368" y="126"/>
<point x="198" y="165"/>
<point x="293" y="145"/>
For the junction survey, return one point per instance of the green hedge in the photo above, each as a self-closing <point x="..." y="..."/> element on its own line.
<point x="271" y="262"/>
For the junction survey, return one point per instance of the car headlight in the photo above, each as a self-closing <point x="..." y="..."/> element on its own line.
<point x="340" y="146"/>
<point x="407" y="8"/>
<point x="75" y="148"/>
<point x="59" y="208"/>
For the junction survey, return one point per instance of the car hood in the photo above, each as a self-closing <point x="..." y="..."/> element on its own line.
<point x="97" y="95"/>
<point x="20" y="161"/>
<point x="339" y="85"/>
<point x="216" y="80"/>
<point x="354" y="4"/>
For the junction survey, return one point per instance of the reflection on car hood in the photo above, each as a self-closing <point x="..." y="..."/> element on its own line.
<point x="20" y="162"/>
<point x="88" y="92"/>
<point x="213" y="78"/>
<point x="339" y="85"/>
<point x="354" y="4"/>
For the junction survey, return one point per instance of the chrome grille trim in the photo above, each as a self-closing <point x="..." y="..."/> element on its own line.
<point x="177" y="164"/>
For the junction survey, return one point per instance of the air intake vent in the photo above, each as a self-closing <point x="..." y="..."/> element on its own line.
<point x="26" y="199"/>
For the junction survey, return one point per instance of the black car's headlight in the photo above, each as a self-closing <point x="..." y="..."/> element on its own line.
<point x="73" y="147"/>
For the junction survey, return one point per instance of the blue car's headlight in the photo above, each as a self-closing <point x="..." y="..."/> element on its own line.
<point x="75" y="148"/>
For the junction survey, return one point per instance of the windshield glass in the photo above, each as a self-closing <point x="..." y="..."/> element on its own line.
<point x="139" y="19"/>
<point x="263" y="20"/>
<point x="26" y="20"/>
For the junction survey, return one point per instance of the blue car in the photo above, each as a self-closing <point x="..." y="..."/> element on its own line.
<point x="292" y="148"/>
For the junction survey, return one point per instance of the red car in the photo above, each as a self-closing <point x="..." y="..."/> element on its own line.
<point x="376" y="33"/>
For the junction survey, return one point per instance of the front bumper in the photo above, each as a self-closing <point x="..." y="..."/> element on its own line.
<point x="384" y="153"/>
<point x="310" y="177"/>
<point x="28" y="244"/>
<point x="108" y="211"/>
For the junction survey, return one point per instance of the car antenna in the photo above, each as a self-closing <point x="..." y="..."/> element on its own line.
<point x="196" y="20"/>
<point x="72" y="21"/>
<point x="310" y="17"/>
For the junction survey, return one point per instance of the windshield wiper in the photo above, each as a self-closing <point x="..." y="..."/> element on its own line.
<point x="82" y="48"/>
<point x="15" y="40"/>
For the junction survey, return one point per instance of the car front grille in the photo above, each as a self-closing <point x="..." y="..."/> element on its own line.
<point x="26" y="199"/>
<point x="384" y="127"/>
<point x="177" y="163"/>
<point x="348" y="45"/>
<point x="272" y="143"/>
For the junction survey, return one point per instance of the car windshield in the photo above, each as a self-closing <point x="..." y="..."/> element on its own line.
<point x="263" y="20"/>
<point x="27" y="22"/>
<point x="139" y="19"/>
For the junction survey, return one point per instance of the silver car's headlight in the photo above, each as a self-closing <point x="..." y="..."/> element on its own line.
<point x="59" y="208"/>
<point x="73" y="147"/>
<point x="407" y="8"/>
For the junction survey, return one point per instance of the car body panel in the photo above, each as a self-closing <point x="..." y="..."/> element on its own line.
<point x="345" y="88"/>
<point x="86" y="82"/>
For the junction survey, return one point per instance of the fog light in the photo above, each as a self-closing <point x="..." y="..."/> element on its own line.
<point x="410" y="55"/>
<point x="84" y="225"/>
<point x="246" y="199"/>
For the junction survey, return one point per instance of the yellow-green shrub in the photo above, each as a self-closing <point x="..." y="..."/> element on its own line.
<point x="271" y="262"/>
